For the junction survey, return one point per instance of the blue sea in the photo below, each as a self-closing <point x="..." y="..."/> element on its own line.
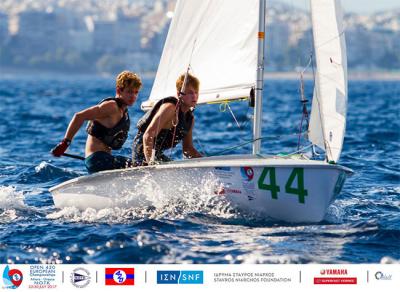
<point x="362" y="225"/>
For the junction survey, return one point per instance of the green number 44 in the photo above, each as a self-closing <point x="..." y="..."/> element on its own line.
<point x="297" y="175"/>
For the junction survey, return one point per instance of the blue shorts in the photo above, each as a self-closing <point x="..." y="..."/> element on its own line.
<point x="100" y="160"/>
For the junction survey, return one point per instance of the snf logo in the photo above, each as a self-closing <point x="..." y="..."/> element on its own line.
<point x="180" y="277"/>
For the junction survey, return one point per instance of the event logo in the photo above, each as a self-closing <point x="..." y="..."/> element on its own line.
<point x="247" y="173"/>
<point x="332" y="276"/>
<point x="42" y="277"/>
<point x="80" y="277"/>
<point x="12" y="278"/>
<point x="179" y="277"/>
<point x="381" y="276"/>
<point x="120" y="276"/>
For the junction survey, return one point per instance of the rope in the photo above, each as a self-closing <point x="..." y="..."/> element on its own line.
<point x="242" y="124"/>
<point x="297" y="151"/>
<point x="178" y="105"/>
<point x="247" y="142"/>
<point x="303" y="100"/>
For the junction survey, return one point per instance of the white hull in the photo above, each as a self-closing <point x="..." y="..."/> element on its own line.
<point x="291" y="190"/>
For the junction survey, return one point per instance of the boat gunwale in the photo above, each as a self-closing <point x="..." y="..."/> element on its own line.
<point x="217" y="161"/>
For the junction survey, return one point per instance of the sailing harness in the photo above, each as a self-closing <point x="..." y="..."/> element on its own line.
<point x="166" y="138"/>
<point x="174" y="140"/>
<point x="113" y="137"/>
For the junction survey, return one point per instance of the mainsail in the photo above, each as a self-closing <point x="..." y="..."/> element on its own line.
<point x="329" y="106"/>
<point x="222" y="54"/>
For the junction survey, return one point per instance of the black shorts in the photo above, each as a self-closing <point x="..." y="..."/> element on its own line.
<point x="100" y="160"/>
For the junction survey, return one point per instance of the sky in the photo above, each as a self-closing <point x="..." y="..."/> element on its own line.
<point x="358" y="6"/>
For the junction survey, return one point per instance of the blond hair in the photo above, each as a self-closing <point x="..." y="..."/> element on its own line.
<point x="191" y="81"/>
<point x="127" y="79"/>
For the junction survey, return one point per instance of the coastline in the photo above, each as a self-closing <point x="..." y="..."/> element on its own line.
<point x="6" y="73"/>
<point x="352" y="76"/>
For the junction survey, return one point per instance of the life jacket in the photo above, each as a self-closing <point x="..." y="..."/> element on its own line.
<point x="113" y="137"/>
<point x="165" y="138"/>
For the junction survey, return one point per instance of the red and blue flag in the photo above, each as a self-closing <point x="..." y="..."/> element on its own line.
<point x="120" y="276"/>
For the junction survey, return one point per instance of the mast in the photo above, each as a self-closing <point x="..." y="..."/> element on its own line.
<point x="260" y="81"/>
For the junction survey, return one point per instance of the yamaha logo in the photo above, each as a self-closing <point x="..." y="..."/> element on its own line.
<point x="334" y="272"/>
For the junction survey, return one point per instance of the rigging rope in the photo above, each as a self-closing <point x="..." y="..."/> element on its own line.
<point x="248" y="142"/>
<point x="304" y="101"/>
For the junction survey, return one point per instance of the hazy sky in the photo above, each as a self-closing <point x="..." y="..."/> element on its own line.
<point x="359" y="6"/>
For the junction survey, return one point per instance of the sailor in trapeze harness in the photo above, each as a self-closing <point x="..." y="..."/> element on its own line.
<point x="169" y="122"/>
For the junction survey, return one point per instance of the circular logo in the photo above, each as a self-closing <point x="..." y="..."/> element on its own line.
<point x="15" y="277"/>
<point x="247" y="173"/>
<point x="119" y="276"/>
<point x="80" y="277"/>
<point x="12" y="278"/>
<point x="378" y="275"/>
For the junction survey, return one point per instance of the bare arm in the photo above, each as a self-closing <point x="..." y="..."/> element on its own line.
<point x="164" y="116"/>
<point x="188" y="149"/>
<point x="92" y="113"/>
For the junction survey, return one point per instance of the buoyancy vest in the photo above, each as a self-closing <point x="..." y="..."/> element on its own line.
<point x="165" y="138"/>
<point x="113" y="137"/>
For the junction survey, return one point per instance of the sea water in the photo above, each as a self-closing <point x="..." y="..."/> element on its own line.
<point x="361" y="226"/>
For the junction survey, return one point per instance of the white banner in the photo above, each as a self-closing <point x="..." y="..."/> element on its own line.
<point x="199" y="277"/>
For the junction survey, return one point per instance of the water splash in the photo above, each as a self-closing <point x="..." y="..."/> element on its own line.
<point x="150" y="199"/>
<point x="11" y="200"/>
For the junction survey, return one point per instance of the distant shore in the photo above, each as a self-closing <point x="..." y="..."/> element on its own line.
<point x="353" y="75"/>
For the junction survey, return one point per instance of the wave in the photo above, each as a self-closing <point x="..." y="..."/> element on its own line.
<point x="389" y="260"/>
<point x="11" y="200"/>
<point x="47" y="173"/>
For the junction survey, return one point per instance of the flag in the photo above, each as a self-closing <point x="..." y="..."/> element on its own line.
<point x="120" y="276"/>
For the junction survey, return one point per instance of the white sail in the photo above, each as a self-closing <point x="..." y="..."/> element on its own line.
<point x="219" y="38"/>
<point x="222" y="54"/>
<point x="329" y="106"/>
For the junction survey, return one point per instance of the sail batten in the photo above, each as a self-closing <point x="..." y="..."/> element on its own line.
<point x="222" y="54"/>
<point x="329" y="107"/>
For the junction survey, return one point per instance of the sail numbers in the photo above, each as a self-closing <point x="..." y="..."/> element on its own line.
<point x="294" y="184"/>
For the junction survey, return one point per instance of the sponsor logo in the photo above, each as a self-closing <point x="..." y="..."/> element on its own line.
<point x="12" y="278"/>
<point x="335" y="280"/>
<point x="227" y="188"/>
<point x="326" y="277"/>
<point x="80" y="277"/>
<point x="334" y="272"/>
<point x="250" y="277"/>
<point x="247" y="173"/>
<point x="120" y="276"/>
<point x="223" y="191"/>
<point x="223" y="168"/>
<point x="42" y="277"/>
<point x="381" y="276"/>
<point x="220" y="190"/>
<point x="179" y="277"/>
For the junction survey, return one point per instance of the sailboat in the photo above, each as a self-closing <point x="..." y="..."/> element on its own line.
<point x="222" y="42"/>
